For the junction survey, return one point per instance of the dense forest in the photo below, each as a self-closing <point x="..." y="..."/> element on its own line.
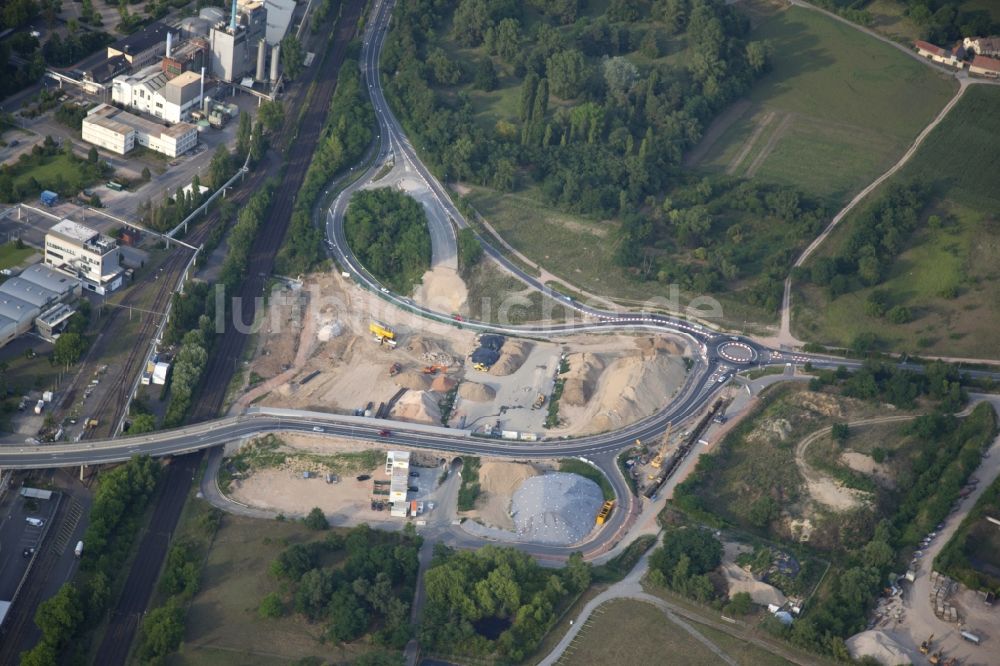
<point x="602" y="122"/>
<point x="388" y="231"/>
<point x="494" y="601"/>
<point x="367" y="592"/>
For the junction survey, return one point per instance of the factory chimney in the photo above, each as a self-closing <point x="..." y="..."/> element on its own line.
<point x="232" y="17"/>
<point x="261" y="55"/>
<point x="275" y="57"/>
<point x="169" y="42"/>
<point x="202" y="96"/>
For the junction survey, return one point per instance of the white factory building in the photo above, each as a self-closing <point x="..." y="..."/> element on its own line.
<point x="120" y="131"/>
<point x="153" y="92"/>
<point x="91" y="256"/>
<point x="38" y="296"/>
<point x="397" y="467"/>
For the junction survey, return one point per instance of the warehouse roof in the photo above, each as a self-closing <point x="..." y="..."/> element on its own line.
<point x="153" y="34"/>
<point x="16" y="310"/>
<point x="45" y="277"/>
<point x="23" y="291"/>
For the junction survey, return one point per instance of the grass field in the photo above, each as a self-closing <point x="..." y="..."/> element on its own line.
<point x="949" y="277"/>
<point x="497" y="296"/>
<point x="837" y="108"/>
<point x="11" y="255"/>
<point x="633" y="632"/>
<point x="223" y="627"/>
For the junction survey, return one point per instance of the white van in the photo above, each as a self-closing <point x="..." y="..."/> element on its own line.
<point x="35" y="522"/>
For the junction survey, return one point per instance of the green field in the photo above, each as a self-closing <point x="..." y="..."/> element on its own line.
<point x="11" y="255"/>
<point x="633" y="632"/>
<point x="949" y="276"/>
<point x="837" y="109"/>
<point x="222" y="625"/>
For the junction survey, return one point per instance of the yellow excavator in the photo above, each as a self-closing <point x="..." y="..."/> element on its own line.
<point x="658" y="460"/>
<point x="925" y="646"/>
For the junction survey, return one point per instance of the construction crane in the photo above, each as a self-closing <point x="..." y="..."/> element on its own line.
<point x="925" y="646"/>
<point x="658" y="460"/>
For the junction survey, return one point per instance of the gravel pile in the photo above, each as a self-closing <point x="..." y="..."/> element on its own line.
<point x="557" y="508"/>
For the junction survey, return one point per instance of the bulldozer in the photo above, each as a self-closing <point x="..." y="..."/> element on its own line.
<point x="658" y="459"/>
<point x="925" y="646"/>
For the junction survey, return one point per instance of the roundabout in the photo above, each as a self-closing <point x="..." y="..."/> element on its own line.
<point x="739" y="353"/>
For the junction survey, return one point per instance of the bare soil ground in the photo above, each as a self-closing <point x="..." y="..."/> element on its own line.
<point x="324" y="327"/>
<point x="498" y="480"/>
<point x="443" y="290"/>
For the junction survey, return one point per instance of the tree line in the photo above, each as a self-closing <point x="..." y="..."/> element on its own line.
<point x="120" y="501"/>
<point x="369" y="593"/>
<point x="494" y="601"/>
<point x="342" y="142"/>
<point x="388" y="232"/>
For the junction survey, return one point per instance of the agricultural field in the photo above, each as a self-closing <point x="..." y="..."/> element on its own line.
<point x="947" y="275"/>
<point x="223" y="626"/>
<point x="835" y="111"/>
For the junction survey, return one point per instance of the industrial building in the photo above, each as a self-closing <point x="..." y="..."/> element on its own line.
<point x="233" y="46"/>
<point x="397" y="467"/>
<point x="155" y="92"/>
<point x="39" y="295"/>
<point x="92" y="257"/>
<point x="143" y="47"/>
<point x="120" y="131"/>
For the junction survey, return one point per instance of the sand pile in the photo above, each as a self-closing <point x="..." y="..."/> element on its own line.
<point x="740" y="580"/>
<point x="557" y="508"/>
<point x="584" y="371"/>
<point x="878" y="645"/>
<point x="443" y="383"/>
<point x="634" y="387"/>
<point x="476" y="392"/>
<point x="418" y="407"/>
<point x="329" y="331"/>
<point x="498" y="481"/>
<point x="413" y="380"/>
<point x="650" y="346"/>
<point x="511" y="357"/>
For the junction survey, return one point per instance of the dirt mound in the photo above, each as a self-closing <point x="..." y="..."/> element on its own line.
<point x="498" y="481"/>
<point x="879" y="645"/>
<point x="428" y="350"/>
<point x="418" y="407"/>
<point x="511" y="358"/>
<point x="476" y="392"/>
<point x="650" y="346"/>
<point x="864" y="463"/>
<point x="443" y="384"/>
<point x="740" y="580"/>
<point x="634" y="387"/>
<point x="581" y="380"/>
<point x="413" y="380"/>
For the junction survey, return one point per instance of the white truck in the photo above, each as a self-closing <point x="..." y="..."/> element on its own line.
<point x="78" y="551"/>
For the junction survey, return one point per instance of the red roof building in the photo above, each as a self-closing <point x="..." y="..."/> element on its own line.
<point x="985" y="66"/>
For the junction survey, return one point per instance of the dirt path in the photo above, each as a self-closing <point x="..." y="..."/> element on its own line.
<point x="785" y="337"/>
<point x="748" y="145"/>
<point x="821" y="487"/>
<point x="779" y="132"/>
<point x="716" y="130"/>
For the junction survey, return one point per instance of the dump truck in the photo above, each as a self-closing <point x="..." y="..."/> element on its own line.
<point x="605" y="511"/>
<point x="381" y="331"/>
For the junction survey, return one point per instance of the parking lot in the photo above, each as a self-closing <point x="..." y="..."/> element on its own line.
<point x="19" y="539"/>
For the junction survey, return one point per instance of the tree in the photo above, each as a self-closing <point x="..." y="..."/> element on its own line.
<point x="271" y="607"/>
<point x="292" y="57"/>
<point x="92" y="155"/>
<point x="142" y="423"/>
<point x="60" y="617"/>
<point x="316" y="520"/>
<point x="271" y="115"/>
<point x="486" y="76"/>
<point x="68" y="349"/>
<point x="470" y="22"/>
<point x="566" y="72"/>
<point x="162" y="632"/>
<point x="620" y="74"/>
<point x="220" y="169"/>
<point x="739" y="604"/>
<point x="243" y="132"/>
<point x="470" y="250"/>
<point x="840" y="432"/>
<point x="146" y="175"/>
